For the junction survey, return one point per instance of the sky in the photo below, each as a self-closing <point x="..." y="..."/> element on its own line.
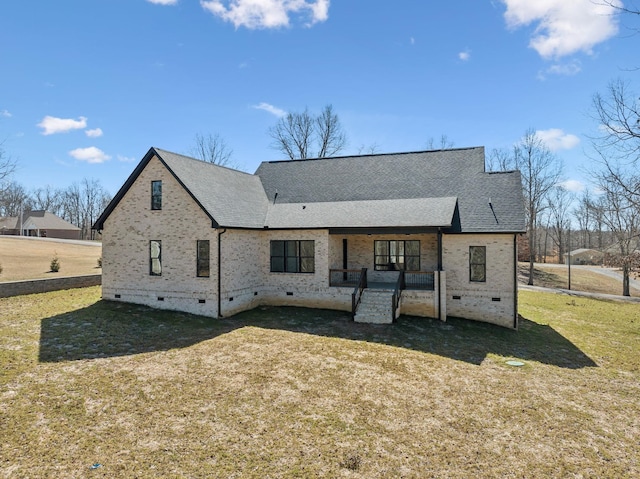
<point x="88" y="86"/>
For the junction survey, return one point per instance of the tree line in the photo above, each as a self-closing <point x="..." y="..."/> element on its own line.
<point x="80" y="203"/>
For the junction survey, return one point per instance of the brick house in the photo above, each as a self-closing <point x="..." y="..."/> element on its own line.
<point x="39" y="223"/>
<point x="423" y="233"/>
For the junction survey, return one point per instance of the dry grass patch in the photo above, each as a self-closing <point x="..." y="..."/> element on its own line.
<point x="289" y="392"/>
<point x="31" y="259"/>
<point x="582" y="279"/>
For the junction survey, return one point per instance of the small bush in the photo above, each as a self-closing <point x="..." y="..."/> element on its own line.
<point x="55" y="264"/>
<point x="100" y="262"/>
<point x="0" y="268"/>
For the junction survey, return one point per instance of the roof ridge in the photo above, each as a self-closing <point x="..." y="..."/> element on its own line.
<point x="376" y="154"/>
<point x="161" y="150"/>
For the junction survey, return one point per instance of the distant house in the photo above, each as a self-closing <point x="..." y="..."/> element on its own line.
<point x="39" y="223"/>
<point x="425" y="233"/>
<point x="586" y="256"/>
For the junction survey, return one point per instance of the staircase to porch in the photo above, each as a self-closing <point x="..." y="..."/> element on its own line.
<point x="376" y="306"/>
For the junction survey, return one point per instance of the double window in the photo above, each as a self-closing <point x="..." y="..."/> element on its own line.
<point x="292" y="256"/>
<point x="478" y="264"/>
<point x="155" y="258"/>
<point x="396" y="255"/>
<point x="156" y="195"/>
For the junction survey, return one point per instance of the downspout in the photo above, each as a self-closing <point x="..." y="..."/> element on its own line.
<point x="515" y="281"/>
<point x="439" y="271"/>
<point x="220" y="233"/>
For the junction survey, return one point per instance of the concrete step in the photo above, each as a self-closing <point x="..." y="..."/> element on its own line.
<point x="375" y="307"/>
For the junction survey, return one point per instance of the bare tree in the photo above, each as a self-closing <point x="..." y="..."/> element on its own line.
<point x="298" y="135"/>
<point x="622" y="218"/>
<point x="329" y="134"/>
<point x="558" y="204"/>
<point x="82" y="203"/>
<point x="583" y="213"/>
<point x="212" y="149"/>
<point x="371" y="149"/>
<point x="617" y="147"/>
<point x="618" y="7"/>
<point x="8" y="166"/>
<point x="47" y="199"/>
<point x="540" y="171"/>
<point x="443" y="143"/>
<point x="500" y="159"/>
<point x="14" y="199"/>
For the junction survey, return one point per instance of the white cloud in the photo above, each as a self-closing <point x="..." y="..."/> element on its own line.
<point x="565" y="69"/>
<point x="126" y="159"/>
<point x="574" y="186"/>
<point x="412" y="40"/>
<point x="465" y="56"/>
<point x="95" y="133"/>
<point x="5" y="113"/>
<point x="90" y="155"/>
<point x="563" y="27"/>
<point x="556" y="139"/>
<point x="254" y="14"/>
<point x="274" y="110"/>
<point x="163" y="2"/>
<point x="51" y="124"/>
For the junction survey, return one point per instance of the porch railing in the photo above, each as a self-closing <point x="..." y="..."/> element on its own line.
<point x="344" y="277"/>
<point x="419" y="280"/>
<point x="397" y="295"/>
<point x="356" y="296"/>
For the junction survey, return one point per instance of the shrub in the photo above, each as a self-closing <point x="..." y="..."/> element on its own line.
<point x="0" y="268"/>
<point x="55" y="264"/>
<point x="100" y="262"/>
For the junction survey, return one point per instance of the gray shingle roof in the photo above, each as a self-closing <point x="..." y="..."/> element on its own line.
<point x="232" y="197"/>
<point x="44" y="220"/>
<point x="444" y="188"/>
<point x="487" y="202"/>
<point x="414" y="212"/>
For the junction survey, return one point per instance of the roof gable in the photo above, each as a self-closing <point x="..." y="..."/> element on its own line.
<point x="228" y="197"/>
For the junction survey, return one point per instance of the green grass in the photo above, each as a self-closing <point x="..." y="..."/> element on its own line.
<point x="290" y="392"/>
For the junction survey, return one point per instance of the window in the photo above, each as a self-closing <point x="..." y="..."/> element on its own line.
<point x="156" y="195"/>
<point x="202" y="253"/>
<point x="393" y="255"/>
<point x="292" y="256"/>
<point x="478" y="263"/>
<point x="155" y="258"/>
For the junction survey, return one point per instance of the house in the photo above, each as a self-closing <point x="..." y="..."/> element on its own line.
<point x="585" y="256"/>
<point x="39" y="223"/>
<point x="425" y="233"/>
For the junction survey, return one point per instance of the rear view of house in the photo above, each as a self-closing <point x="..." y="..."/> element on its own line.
<point x="423" y="233"/>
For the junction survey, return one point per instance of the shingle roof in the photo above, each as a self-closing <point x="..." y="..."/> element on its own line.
<point x="436" y="212"/>
<point x="488" y="202"/>
<point x="45" y="220"/>
<point x="444" y="188"/>
<point x="232" y="197"/>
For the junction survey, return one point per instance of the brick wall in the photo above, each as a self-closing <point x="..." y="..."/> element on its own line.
<point x="17" y="288"/>
<point x="178" y="225"/>
<point x="492" y="301"/>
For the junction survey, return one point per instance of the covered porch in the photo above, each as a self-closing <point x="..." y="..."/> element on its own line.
<point x="402" y="266"/>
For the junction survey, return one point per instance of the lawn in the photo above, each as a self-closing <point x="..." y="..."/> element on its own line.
<point x="23" y="258"/>
<point x="291" y="392"/>
<point x="582" y="279"/>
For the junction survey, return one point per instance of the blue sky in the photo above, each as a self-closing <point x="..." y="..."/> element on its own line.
<point x="88" y="86"/>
